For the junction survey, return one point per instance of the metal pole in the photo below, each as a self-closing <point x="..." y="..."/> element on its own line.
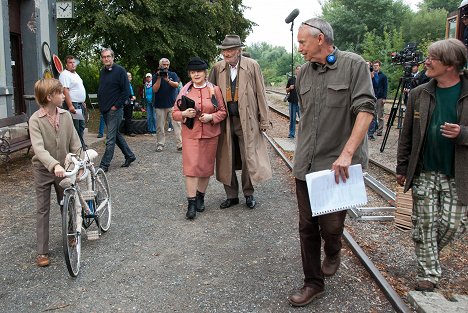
<point x="292" y="49"/>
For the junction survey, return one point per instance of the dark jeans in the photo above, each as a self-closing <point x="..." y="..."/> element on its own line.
<point x="312" y="230"/>
<point x="79" y="124"/>
<point x="293" y="112"/>
<point x="113" y="119"/>
<point x="373" y="126"/>
<point x="127" y="113"/>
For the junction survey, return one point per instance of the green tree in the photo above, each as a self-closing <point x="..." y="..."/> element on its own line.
<point x="425" y="25"/>
<point x="448" y="5"/>
<point x="351" y="19"/>
<point x="142" y="31"/>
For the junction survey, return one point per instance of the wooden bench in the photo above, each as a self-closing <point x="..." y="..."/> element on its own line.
<point x="9" y="143"/>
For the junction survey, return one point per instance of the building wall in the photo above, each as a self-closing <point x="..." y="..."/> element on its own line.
<point x="37" y="24"/>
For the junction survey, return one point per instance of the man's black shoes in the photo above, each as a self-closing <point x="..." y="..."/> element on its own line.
<point x="250" y="201"/>
<point x="128" y="161"/>
<point x="228" y="203"/>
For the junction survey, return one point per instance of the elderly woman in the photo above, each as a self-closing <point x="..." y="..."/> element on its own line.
<point x="200" y="140"/>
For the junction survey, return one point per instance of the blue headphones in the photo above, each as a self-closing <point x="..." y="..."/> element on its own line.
<point x="331" y="58"/>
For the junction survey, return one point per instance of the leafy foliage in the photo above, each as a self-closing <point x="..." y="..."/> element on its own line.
<point x="351" y="19"/>
<point x="448" y="5"/>
<point x="142" y="31"/>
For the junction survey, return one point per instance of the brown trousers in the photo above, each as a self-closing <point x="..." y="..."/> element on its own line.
<point x="237" y="135"/>
<point x="312" y="230"/>
<point x="44" y="180"/>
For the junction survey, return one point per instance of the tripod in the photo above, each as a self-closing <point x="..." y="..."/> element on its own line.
<point x="396" y="107"/>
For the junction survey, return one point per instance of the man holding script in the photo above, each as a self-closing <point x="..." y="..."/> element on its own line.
<point x="337" y="104"/>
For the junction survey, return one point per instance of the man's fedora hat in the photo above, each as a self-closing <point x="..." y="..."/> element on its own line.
<point x="231" y="41"/>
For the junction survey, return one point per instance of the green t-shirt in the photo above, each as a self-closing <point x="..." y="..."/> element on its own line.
<point x="439" y="151"/>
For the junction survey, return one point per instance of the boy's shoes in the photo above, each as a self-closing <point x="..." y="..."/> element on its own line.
<point x="100" y="136"/>
<point x="42" y="260"/>
<point x="159" y="148"/>
<point x="169" y="129"/>
<point x="130" y="135"/>
<point x="371" y="137"/>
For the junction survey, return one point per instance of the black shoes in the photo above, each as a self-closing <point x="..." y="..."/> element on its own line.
<point x="250" y="201"/>
<point x="228" y="203"/>
<point x="200" y="201"/>
<point x="191" y="208"/>
<point x="105" y="169"/>
<point x="128" y="161"/>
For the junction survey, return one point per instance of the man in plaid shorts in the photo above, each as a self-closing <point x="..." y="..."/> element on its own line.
<point x="432" y="152"/>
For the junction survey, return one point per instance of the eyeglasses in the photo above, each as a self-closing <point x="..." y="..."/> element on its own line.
<point x="304" y="23"/>
<point x="430" y="59"/>
<point x="106" y="56"/>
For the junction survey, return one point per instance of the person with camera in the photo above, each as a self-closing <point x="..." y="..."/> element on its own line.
<point x="200" y="134"/>
<point x="380" y="84"/>
<point x="337" y="105"/>
<point x="293" y="104"/>
<point x="241" y="143"/>
<point x="431" y="157"/>
<point x="165" y="84"/>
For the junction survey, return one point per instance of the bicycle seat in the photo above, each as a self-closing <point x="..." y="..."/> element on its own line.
<point x="90" y="155"/>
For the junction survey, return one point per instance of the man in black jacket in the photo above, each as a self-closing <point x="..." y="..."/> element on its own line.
<point x="113" y="94"/>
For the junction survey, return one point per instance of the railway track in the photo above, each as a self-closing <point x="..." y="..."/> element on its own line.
<point x="392" y="296"/>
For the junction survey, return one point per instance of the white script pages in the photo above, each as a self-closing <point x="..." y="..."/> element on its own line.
<point x="326" y="196"/>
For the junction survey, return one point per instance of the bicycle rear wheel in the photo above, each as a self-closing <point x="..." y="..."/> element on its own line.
<point x="103" y="200"/>
<point x="71" y="231"/>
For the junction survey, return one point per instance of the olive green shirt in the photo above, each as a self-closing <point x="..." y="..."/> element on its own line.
<point x="330" y="98"/>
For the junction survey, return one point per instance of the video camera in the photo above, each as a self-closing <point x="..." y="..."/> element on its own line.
<point x="162" y="71"/>
<point x="408" y="57"/>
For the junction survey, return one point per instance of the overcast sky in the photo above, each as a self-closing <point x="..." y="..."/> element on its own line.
<point x="270" y="15"/>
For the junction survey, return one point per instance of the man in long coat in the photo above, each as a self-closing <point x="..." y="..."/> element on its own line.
<point x="241" y="144"/>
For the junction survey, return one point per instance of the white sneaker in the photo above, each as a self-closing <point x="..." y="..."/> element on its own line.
<point x="169" y="129"/>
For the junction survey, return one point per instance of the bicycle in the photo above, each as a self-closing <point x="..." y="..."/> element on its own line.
<point x="82" y="205"/>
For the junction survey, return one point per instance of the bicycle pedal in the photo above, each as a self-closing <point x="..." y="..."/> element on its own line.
<point x="92" y="234"/>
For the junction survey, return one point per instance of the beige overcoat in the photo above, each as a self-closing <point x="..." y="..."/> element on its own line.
<point x="253" y="113"/>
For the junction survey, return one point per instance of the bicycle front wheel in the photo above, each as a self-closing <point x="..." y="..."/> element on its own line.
<point x="103" y="200"/>
<point x="71" y="231"/>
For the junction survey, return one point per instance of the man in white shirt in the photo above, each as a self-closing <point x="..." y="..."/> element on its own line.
<point x="75" y="94"/>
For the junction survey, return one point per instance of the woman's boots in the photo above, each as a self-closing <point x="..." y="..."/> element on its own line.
<point x="191" y="208"/>
<point x="195" y="204"/>
<point x="200" y="201"/>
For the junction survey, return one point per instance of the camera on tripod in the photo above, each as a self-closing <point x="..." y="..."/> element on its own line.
<point x="408" y="57"/>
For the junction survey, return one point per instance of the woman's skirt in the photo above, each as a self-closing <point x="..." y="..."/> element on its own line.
<point x="198" y="156"/>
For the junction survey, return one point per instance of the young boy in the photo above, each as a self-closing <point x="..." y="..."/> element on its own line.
<point x="53" y="136"/>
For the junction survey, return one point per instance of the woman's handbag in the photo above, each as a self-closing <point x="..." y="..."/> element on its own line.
<point x="183" y="104"/>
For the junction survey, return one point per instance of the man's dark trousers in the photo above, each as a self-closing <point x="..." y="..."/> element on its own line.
<point x="311" y="231"/>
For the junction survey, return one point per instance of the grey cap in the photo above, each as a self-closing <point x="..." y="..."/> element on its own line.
<point x="231" y="41"/>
